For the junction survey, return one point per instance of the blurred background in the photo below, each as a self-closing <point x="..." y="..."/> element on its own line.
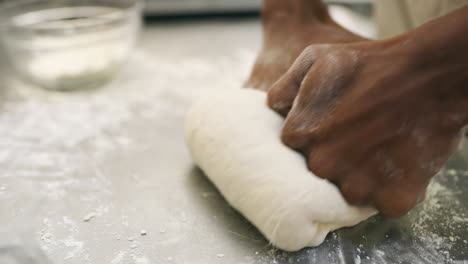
<point x="38" y="35"/>
<point x="93" y="95"/>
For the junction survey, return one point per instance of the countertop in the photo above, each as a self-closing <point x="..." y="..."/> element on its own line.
<point x="103" y="176"/>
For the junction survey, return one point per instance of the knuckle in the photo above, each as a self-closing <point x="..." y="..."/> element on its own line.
<point x="356" y="192"/>
<point x="324" y="170"/>
<point x="397" y="203"/>
<point x="282" y="95"/>
<point x="278" y="101"/>
<point x="314" y="50"/>
<point x="296" y="135"/>
<point x="293" y="138"/>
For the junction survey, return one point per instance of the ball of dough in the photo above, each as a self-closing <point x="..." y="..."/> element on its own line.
<point x="235" y="139"/>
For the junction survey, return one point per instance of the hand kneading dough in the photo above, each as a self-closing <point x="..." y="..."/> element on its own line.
<point x="235" y="139"/>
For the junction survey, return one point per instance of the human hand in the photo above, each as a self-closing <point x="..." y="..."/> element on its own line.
<point x="288" y="28"/>
<point x="377" y="119"/>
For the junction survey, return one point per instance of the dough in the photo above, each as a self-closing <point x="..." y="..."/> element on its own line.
<point x="235" y="139"/>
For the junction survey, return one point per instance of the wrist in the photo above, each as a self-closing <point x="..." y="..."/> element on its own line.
<point x="441" y="44"/>
<point x="434" y="58"/>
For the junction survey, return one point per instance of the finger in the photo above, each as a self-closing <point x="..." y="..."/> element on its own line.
<point x="422" y="196"/>
<point x="310" y="116"/>
<point x="395" y="201"/>
<point x="281" y="96"/>
<point x="358" y="185"/>
<point x="402" y="183"/>
<point x="309" y="109"/>
<point x="357" y="190"/>
<point x="301" y="119"/>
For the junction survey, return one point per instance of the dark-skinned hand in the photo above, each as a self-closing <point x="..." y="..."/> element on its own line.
<point x="379" y="118"/>
<point x="288" y="28"/>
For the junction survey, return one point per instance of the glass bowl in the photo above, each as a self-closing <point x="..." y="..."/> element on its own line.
<point x="69" y="44"/>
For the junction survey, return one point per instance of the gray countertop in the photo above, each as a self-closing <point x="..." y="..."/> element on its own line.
<point x="116" y="156"/>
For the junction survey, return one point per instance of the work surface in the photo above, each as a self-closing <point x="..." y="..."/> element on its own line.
<point x="103" y="176"/>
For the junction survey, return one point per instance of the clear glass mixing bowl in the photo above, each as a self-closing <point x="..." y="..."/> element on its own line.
<point x="69" y="44"/>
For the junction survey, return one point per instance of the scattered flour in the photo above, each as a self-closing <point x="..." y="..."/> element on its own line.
<point x="77" y="247"/>
<point x="119" y="257"/>
<point x="141" y="260"/>
<point x="440" y="222"/>
<point x="49" y="138"/>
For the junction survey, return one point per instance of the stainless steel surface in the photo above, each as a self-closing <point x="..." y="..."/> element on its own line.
<point x="88" y="171"/>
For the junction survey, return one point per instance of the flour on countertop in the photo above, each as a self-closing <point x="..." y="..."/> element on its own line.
<point x="438" y="210"/>
<point x="48" y="136"/>
<point x="77" y="247"/>
<point x="119" y="257"/>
